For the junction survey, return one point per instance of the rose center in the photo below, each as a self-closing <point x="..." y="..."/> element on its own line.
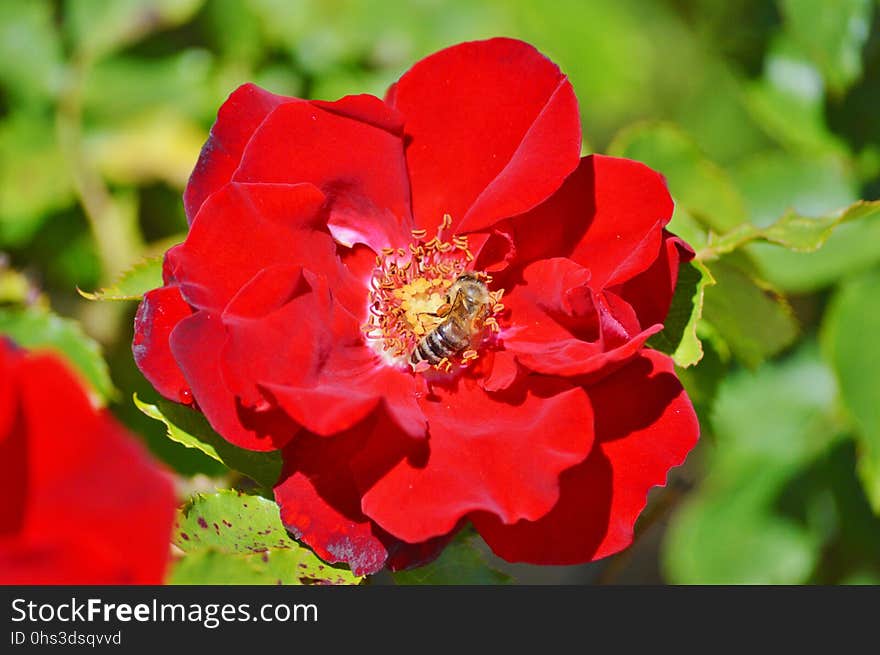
<point x="426" y="308"/>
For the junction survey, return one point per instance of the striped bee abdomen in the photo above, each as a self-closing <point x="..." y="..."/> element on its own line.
<point x="448" y="338"/>
<point x="469" y="299"/>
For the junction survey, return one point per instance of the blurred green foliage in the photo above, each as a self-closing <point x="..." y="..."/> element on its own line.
<point x="753" y="109"/>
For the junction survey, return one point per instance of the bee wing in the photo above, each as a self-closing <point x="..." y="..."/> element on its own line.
<point x="459" y="307"/>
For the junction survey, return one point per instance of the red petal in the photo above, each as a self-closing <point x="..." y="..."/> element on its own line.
<point x="503" y="373"/>
<point x="645" y="425"/>
<point x="607" y="217"/>
<point x="347" y="394"/>
<point x="237" y="120"/>
<point x="321" y="505"/>
<point x="158" y="314"/>
<point x="346" y="151"/>
<point x="631" y="205"/>
<point x="13" y="441"/>
<point x="559" y="326"/>
<point x="650" y="293"/>
<point x="501" y="453"/>
<point x="289" y="337"/>
<point x="248" y="227"/>
<point x="98" y="509"/>
<point x="493" y="130"/>
<point x="366" y="109"/>
<point x="197" y="343"/>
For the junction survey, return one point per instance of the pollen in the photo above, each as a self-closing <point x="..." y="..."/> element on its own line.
<point x="409" y="298"/>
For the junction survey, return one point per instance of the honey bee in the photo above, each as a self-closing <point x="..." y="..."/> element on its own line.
<point x="467" y="304"/>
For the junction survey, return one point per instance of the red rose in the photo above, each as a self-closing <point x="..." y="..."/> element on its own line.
<point x="327" y="243"/>
<point x="82" y="501"/>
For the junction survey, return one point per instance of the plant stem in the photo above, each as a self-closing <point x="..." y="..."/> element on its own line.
<point x="114" y="230"/>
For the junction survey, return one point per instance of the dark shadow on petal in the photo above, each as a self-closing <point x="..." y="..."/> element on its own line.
<point x="575" y="526"/>
<point x="629" y="400"/>
<point x="270" y="423"/>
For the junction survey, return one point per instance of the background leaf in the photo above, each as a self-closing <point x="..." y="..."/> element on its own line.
<point x="753" y="321"/>
<point x="191" y="429"/>
<point x="850" y="335"/>
<point x="796" y="233"/>
<point x="40" y="329"/>
<point x="461" y="562"/>
<point x="34" y="179"/>
<point x="768" y="425"/>
<point x="679" y="336"/>
<point x="100" y="26"/>
<point x="704" y="189"/>
<point x="234" y="533"/>
<point x="132" y="284"/>
<point x="832" y="33"/>
<point x="31" y="64"/>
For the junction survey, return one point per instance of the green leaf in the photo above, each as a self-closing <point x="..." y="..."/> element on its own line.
<point x="182" y="82"/>
<point x="783" y="413"/>
<point x="704" y="189"/>
<point x="39" y="329"/>
<point x="34" y="178"/>
<point x="754" y="321"/>
<point x="190" y="428"/>
<point x="688" y="227"/>
<point x="246" y="530"/>
<point x="852" y="247"/>
<point x="679" y="336"/>
<point x="850" y="336"/>
<point x="132" y="284"/>
<point x="235" y="29"/>
<point x="829" y="500"/>
<point x="792" y="231"/>
<point x="769" y="425"/>
<point x="30" y="50"/>
<point x="460" y="563"/>
<point x="207" y="567"/>
<point x="774" y="182"/>
<point x="158" y="145"/>
<point x="831" y="33"/>
<point x="702" y="382"/>
<point x="98" y="27"/>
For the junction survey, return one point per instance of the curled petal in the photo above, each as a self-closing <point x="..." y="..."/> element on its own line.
<point x="650" y="293"/>
<point x="290" y="342"/>
<point x="320" y="504"/>
<point x="607" y="217"/>
<point x="251" y="226"/>
<point x="500" y="453"/>
<point x="237" y="120"/>
<point x="560" y="326"/>
<point x="503" y="373"/>
<point x="158" y="314"/>
<point x="492" y="129"/>
<point x="645" y="425"/>
<point x="197" y="343"/>
<point x="366" y="109"/>
<point x="630" y="206"/>
<point x="347" y="151"/>
<point x="351" y="393"/>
